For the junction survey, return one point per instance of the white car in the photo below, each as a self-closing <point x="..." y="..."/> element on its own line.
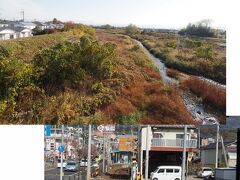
<point x="59" y="163"/>
<point x="167" y="173"/>
<point x="83" y="163"/>
<point x="205" y="171"/>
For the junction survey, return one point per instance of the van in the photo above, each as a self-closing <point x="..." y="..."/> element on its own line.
<point x="167" y="173"/>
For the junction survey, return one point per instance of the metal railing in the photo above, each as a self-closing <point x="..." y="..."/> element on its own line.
<point x="157" y="142"/>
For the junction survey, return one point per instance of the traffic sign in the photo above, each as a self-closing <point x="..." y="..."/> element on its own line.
<point x="106" y="128"/>
<point x="47" y="130"/>
<point x="61" y="148"/>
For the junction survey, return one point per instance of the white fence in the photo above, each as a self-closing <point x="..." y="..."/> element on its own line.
<point x="157" y="142"/>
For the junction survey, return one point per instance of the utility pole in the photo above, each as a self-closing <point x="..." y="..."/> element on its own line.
<point x="22" y="15"/>
<point x="147" y="153"/>
<point x="55" y="137"/>
<point x="224" y="151"/>
<point x="217" y="138"/>
<point x="104" y="153"/>
<point x="140" y="154"/>
<point x="238" y="155"/>
<point x="89" y="152"/>
<point x="61" y="169"/>
<point x="184" y="153"/>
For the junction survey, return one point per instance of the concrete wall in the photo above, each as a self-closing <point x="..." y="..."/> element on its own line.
<point x="208" y="156"/>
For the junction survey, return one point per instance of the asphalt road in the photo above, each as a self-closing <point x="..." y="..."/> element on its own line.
<point x="54" y="174"/>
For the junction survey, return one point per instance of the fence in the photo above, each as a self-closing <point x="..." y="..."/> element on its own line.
<point x="157" y="142"/>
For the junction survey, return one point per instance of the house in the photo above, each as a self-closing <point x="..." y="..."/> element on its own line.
<point x="28" y="25"/>
<point x="208" y="153"/>
<point x="40" y="25"/>
<point x="124" y="151"/>
<point x="59" y="26"/>
<point x="165" y="145"/>
<point x="13" y="33"/>
<point x="3" y="24"/>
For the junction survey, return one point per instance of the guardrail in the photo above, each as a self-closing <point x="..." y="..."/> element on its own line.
<point x="157" y="142"/>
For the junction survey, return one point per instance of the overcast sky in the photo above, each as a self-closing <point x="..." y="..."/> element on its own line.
<point x="145" y="13"/>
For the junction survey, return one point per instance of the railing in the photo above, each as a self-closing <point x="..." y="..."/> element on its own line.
<point x="157" y="142"/>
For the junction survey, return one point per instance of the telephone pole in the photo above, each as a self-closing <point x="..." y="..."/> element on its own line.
<point x="61" y="169"/>
<point x="184" y="153"/>
<point x="22" y="12"/>
<point x="147" y="153"/>
<point x="89" y="152"/>
<point x="217" y="138"/>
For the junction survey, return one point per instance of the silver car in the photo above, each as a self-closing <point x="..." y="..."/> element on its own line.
<point x="72" y="166"/>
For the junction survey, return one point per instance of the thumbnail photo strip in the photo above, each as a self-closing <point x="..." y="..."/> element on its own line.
<point x="142" y="151"/>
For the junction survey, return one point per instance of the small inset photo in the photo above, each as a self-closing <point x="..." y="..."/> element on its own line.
<point x="135" y="152"/>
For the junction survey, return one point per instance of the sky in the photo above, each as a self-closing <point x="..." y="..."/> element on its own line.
<point x="143" y="13"/>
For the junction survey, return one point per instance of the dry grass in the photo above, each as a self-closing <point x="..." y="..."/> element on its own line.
<point x="173" y="73"/>
<point x="145" y="91"/>
<point x="210" y="93"/>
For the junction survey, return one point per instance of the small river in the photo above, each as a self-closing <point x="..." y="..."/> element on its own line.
<point x="193" y="104"/>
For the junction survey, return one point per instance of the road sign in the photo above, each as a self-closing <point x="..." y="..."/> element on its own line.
<point x="61" y="148"/>
<point x="106" y="128"/>
<point x="47" y="130"/>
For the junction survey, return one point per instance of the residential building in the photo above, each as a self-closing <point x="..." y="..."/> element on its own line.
<point x="208" y="153"/>
<point x="14" y="32"/>
<point x="40" y="25"/>
<point x="28" y="25"/>
<point x="165" y="144"/>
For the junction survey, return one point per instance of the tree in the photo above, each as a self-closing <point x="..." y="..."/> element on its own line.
<point x="55" y="21"/>
<point x="201" y="29"/>
<point x="132" y="30"/>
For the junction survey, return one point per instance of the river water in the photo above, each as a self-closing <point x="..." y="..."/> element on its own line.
<point x="193" y="104"/>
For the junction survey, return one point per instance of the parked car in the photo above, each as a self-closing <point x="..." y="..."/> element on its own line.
<point x="95" y="164"/>
<point x="210" y="177"/>
<point x="205" y="171"/>
<point x="83" y="163"/>
<point x="59" y="163"/>
<point x="71" y="166"/>
<point x="167" y="173"/>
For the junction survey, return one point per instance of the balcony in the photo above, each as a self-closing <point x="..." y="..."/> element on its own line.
<point x="173" y="143"/>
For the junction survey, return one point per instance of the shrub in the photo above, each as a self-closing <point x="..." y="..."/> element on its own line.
<point x="171" y="44"/>
<point x="132" y="118"/>
<point x="71" y="62"/>
<point x="204" y="52"/>
<point x="132" y="30"/>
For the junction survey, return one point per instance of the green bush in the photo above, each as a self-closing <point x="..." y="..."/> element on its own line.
<point x="71" y="62"/>
<point x="132" y="118"/>
<point x="171" y="44"/>
<point x="204" y="52"/>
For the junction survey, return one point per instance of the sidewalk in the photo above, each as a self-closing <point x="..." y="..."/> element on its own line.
<point x="49" y="166"/>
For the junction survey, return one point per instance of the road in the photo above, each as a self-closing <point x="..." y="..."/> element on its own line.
<point x="54" y="174"/>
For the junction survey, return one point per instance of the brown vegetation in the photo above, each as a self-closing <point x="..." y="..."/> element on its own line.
<point x="173" y="73"/>
<point x="210" y="93"/>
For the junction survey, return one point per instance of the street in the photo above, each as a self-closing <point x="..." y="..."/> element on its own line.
<point x="54" y="174"/>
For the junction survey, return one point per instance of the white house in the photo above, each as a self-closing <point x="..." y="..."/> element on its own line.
<point x="40" y="25"/>
<point x="165" y="145"/>
<point x="13" y="33"/>
<point x="2" y="24"/>
<point x="28" y="25"/>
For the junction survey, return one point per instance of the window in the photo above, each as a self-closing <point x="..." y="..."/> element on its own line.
<point x="161" y="171"/>
<point x="157" y="135"/>
<point x="169" y="170"/>
<point x="179" y="136"/>
<point x="176" y="170"/>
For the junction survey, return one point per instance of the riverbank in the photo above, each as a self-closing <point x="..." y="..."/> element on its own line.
<point x="200" y="112"/>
